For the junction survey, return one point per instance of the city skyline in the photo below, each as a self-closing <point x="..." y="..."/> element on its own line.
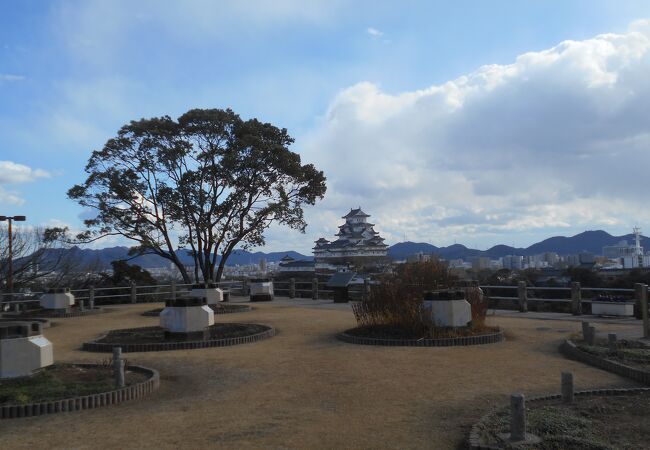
<point x="475" y="125"/>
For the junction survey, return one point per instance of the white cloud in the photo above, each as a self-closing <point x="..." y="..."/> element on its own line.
<point x="557" y="140"/>
<point x="374" y="32"/>
<point x="11" y="172"/>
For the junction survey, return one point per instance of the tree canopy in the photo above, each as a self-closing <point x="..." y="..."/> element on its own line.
<point x="208" y="182"/>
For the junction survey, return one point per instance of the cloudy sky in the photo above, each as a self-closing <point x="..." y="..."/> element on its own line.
<point x="477" y="122"/>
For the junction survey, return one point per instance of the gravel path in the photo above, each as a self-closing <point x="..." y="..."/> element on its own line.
<point x="304" y="389"/>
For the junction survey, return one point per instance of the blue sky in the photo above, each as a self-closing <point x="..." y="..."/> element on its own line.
<point x="359" y="84"/>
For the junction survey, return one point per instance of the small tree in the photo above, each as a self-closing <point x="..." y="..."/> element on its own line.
<point x="37" y="253"/>
<point x="209" y="182"/>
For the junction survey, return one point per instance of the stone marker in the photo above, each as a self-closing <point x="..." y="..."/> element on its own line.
<point x="611" y="342"/>
<point x="591" y="335"/>
<point x="585" y="329"/>
<point x="517" y="417"/>
<point x="567" y="387"/>
<point x="91" y="297"/>
<point x="118" y="367"/>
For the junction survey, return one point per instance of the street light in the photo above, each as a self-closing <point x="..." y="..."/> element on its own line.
<point x="10" y="274"/>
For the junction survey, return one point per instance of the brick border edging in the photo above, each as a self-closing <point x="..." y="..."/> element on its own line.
<point x="475" y="441"/>
<point x="571" y="350"/>
<point x="77" y="313"/>
<point x="92" y="401"/>
<point x="227" y="309"/>
<point x="94" y="346"/>
<point x="490" y="338"/>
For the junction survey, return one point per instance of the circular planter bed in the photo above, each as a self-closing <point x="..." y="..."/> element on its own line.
<point x="152" y="339"/>
<point x="394" y="337"/>
<point x="605" y="419"/>
<point x="218" y="309"/>
<point x="72" y="387"/>
<point x="44" y="322"/>
<point x="631" y="359"/>
<point x="55" y="313"/>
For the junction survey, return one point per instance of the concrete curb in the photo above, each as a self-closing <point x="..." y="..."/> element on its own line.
<point x="114" y="397"/>
<point x="94" y="346"/>
<point x="53" y="314"/>
<point x="475" y="442"/>
<point x="571" y="350"/>
<point x="490" y="338"/>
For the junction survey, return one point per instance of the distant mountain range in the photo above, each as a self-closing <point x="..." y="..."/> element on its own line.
<point x="589" y="241"/>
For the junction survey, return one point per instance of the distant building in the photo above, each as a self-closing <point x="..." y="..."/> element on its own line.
<point x="418" y="257"/>
<point x="481" y="263"/>
<point x="291" y="266"/>
<point x="357" y="245"/>
<point x="512" y="262"/>
<point x="620" y="250"/>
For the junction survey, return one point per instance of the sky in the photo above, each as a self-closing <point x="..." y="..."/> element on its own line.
<point x="482" y="123"/>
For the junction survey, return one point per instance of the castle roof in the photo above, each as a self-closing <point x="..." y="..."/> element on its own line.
<point x="355" y="213"/>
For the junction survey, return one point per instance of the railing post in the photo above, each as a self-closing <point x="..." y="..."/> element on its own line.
<point x="134" y="297"/>
<point x="576" y="298"/>
<point x="523" y="296"/>
<point x="173" y="289"/>
<point x="366" y="289"/>
<point x="292" y="288"/>
<point x="91" y="297"/>
<point x="641" y="294"/>
<point x="244" y="287"/>
<point x="314" y="289"/>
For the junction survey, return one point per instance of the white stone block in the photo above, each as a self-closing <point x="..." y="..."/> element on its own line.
<point x="449" y="313"/>
<point x="212" y="295"/>
<point x="59" y="300"/>
<point x="21" y="356"/>
<point x="261" y="288"/>
<point x="186" y="319"/>
<point x="612" y="309"/>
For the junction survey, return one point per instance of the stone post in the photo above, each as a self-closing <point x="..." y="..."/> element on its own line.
<point x="366" y="289"/>
<point x="611" y="342"/>
<point x="118" y="367"/>
<point x="134" y="297"/>
<point x="82" y="306"/>
<point x="244" y="287"/>
<point x="292" y="288"/>
<point x="314" y="289"/>
<point x="567" y="387"/>
<point x="576" y="299"/>
<point x="585" y="330"/>
<point x="91" y="297"/>
<point x="517" y="418"/>
<point x="641" y="291"/>
<point x="591" y="336"/>
<point x="173" y="290"/>
<point x="523" y="296"/>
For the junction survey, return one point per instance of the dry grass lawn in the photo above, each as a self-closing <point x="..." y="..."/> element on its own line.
<point x="304" y="389"/>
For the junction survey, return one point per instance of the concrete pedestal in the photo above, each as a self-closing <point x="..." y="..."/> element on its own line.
<point x="261" y="290"/>
<point x="452" y="312"/>
<point x="186" y="315"/>
<point x="612" y="309"/>
<point x="213" y="295"/>
<point x="23" y="349"/>
<point x="57" y="299"/>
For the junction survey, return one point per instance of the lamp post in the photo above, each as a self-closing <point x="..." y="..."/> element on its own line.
<point x="10" y="273"/>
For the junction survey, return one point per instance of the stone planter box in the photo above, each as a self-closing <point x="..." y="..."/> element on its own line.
<point x="448" y="309"/>
<point x="261" y="290"/>
<point x="624" y="309"/>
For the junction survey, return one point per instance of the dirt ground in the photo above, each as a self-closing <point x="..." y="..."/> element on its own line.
<point x="303" y="389"/>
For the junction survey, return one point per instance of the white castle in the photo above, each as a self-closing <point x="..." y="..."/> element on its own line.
<point x="358" y="244"/>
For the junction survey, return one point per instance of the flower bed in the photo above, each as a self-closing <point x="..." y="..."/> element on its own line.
<point x="72" y="387"/>
<point x="148" y="339"/>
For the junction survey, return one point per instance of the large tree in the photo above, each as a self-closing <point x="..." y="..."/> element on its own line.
<point x="208" y="182"/>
